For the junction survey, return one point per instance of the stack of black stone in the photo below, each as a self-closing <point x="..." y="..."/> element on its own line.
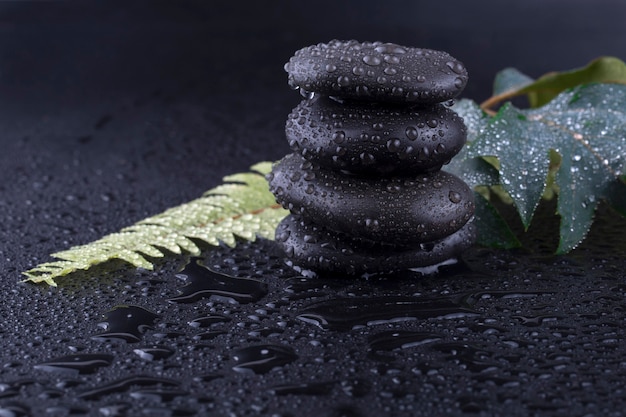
<point x="364" y="185"/>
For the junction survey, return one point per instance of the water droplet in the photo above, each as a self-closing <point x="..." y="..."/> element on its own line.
<point x="343" y="81"/>
<point x="372" y="224"/>
<point x="282" y="235"/>
<point x="358" y="71"/>
<point x="394" y="145"/>
<point x="339" y="136"/>
<point x="205" y="283"/>
<point x="456" y="67"/>
<point x="331" y="68"/>
<point x="390" y="48"/>
<point x="459" y="82"/>
<point x="371" y="60"/>
<point x="262" y="358"/>
<point x="357" y="387"/>
<point x="454" y="197"/>
<point x="432" y="123"/>
<point x="367" y="158"/>
<point x="411" y="133"/>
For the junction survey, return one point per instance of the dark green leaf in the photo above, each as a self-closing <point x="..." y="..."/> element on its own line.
<point x="586" y="126"/>
<point x="493" y="230"/>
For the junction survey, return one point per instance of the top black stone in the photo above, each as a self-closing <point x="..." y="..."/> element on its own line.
<point x="377" y="71"/>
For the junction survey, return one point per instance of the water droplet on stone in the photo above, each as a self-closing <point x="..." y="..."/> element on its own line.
<point x="390" y="48"/>
<point x="367" y="158"/>
<point x="394" y="145"/>
<point x="339" y="136"/>
<point x="454" y="197"/>
<point x="358" y="71"/>
<point x="411" y="133"/>
<point x="371" y="60"/>
<point x="456" y="67"/>
<point x="343" y="81"/>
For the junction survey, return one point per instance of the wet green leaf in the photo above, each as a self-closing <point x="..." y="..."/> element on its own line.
<point x="586" y="126"/>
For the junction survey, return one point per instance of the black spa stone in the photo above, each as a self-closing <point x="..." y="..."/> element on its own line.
<point x="397" y="210"/>
<point x="377" y="71"/>
<point x="312" y="247"/>
<point x="370" y="138"/>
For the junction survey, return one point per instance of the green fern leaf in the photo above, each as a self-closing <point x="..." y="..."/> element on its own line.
<point x="241" y="207"/>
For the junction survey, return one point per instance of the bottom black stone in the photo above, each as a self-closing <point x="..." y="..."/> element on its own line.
<point x="312" y="247"/>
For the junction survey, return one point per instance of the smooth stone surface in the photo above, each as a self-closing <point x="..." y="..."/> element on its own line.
<point x="377" y="71"/>
<point x="315" y="248"/>
<point x="397" y="210"/>
<point x="369" y="138"/>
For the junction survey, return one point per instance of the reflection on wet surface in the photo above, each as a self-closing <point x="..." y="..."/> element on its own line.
<point x="239" y="333"/>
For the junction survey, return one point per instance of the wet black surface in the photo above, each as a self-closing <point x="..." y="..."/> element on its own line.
<point x="114" y="111"/>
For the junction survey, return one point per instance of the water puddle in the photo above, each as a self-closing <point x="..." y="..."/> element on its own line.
<point x="205" y="283"/>
<point x="472" y="298"/>
<point x="151" y="353"/>
<point x="86" y="363"/>
<point x="122" y="385"/>
<point x="347" y="313"/>
<point x="261" y="359"/>
<point x="206" y="321"/>
<point x="400" y="339"/>
<point x="310" y="388"/>
<point x="126" y="323"/>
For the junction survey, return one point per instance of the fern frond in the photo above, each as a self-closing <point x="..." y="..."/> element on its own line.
<point x="241" y="207"/>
